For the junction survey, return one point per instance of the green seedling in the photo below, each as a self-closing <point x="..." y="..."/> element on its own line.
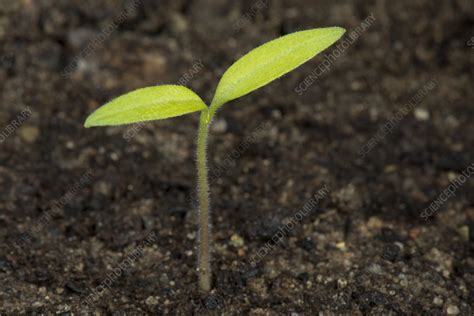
<point x="254" y="70"/>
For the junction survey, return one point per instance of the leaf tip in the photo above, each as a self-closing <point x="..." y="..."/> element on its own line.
<point x="339" y="30"/>
<point x="89" y="123"/>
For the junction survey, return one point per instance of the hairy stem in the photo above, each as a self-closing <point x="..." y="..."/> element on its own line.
<point x="204" y="260"/>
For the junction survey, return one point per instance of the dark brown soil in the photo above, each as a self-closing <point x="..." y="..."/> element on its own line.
<point x="364" y="250"/>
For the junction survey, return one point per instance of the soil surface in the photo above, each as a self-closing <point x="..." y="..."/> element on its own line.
<point x="103" y="220"/>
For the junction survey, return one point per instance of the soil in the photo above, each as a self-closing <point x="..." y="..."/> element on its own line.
<point x="98" y="221"/>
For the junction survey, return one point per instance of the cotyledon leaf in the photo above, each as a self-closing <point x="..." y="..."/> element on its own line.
<point x="272" y="60"/>
<point x="146" y="104"/>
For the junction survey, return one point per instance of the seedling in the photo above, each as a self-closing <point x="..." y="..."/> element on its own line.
<point x="254" y="70"/>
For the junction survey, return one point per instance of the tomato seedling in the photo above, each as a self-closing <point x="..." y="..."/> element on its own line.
<point x="254" y="70"/>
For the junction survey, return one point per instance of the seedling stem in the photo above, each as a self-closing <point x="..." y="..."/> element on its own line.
<point x="204" y="267"/>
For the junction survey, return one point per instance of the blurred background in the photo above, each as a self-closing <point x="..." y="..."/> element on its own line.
<point x="103" y="220"/>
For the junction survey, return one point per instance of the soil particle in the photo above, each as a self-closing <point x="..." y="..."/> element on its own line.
<point x="219" y="126"/>
<point x="307" y="244"/>
<point x="438" y="301"/>
<point x="29" y="134"/>
<point x="151" y="301"/>
<point x="391" y="252"/>
<point x="211" y="302"/>
<point x="452" y="310"/>
<point x="258" y="286"/>
<point x="250" y="274"/>
<point x="75" y="287"/>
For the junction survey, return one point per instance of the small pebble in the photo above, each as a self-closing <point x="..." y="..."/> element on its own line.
<point x="341" y="283"/>
<point x="438" y="301"/>
<point x="356" y="85"/>
<point x="464" y="232"/>
<point x="374" y="223"/>
<point x="236" y="241"/>
<point x="452" y="310"/>
<point x="452" y="121"/>
<point x="70" y="144"/>
<point x="219" y="126"/>
<point x="375" y="268"/>
<point x="179" y="23"/>
<point x="421" y="114"/>
<point x="164" y="278"/>
<point x="341" y="246"/>
<point x="390" y="168"/>
<point x="114" y="156"/>
<point x="151" y="301"/>
<point x="29" y="134"/>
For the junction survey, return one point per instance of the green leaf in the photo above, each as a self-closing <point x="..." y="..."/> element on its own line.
<point x="272" y="60"/>
<point x="151" y="103"/>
